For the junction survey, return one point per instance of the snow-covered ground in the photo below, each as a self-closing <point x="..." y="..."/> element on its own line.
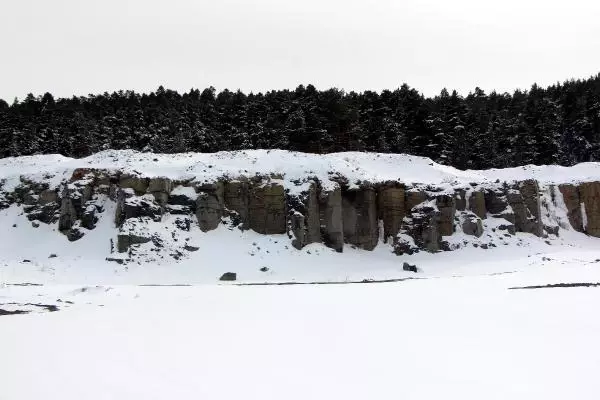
<point x="457" y="332"/>
<point x="462" y="337"/>
<point x="169" y="329"/>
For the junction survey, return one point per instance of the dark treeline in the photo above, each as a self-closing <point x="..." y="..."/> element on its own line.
<point x="556" y="125"/>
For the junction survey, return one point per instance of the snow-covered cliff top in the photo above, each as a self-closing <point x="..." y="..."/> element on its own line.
<point x="292" y="166"/>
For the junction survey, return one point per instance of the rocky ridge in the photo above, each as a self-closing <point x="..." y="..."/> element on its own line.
<point x="408" y="217"/>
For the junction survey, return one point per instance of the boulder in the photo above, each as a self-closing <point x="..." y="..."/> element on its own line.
<point x="228" y="277"/>
<point x="409" y="267"/>
<point x="126" y="240"/>
<point x="472" y="225"/>
<point x="74" y="234"/>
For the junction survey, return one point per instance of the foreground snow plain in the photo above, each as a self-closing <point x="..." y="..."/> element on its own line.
<point x="461" y="337"/>
<point x="170" y="330"/>
<point x="457" y="332"/>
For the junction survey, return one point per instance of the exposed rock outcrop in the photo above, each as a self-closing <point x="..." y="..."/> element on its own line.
<point x="477" y="203"/>
<point x="472" y="225"/>
<point x="304" y="217"/>
<point x="420" y="230"/>
<point x="359" y="209"/>
<point x="524" y="200"/>
<point x="589" y="193"/>
<point x="391" y="209"/>
<point x="570" y="194"/>
<point x="446" y="205"/>
<point x="331" y="216"/>
<point x="210" y="206"/>
<point x="411" y="218"/>
<point x="267" y="208"/>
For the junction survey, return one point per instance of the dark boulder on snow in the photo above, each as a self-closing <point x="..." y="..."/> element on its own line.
<point x="228" y="276"/>
<point x="472" y="225"/>
<point x="409" y="267"/>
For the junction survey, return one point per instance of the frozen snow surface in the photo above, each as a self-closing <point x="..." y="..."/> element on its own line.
<point x="459" y="328"/>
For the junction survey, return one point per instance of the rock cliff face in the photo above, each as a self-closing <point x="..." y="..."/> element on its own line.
<point x="409" y="218"/>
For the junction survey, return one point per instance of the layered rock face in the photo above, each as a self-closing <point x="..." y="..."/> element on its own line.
<point x="334" y="213"/>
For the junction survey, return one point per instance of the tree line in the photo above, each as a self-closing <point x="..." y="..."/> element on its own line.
<point x="559" y="124"/>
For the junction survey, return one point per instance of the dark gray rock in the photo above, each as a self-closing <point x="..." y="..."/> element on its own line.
<point x="74" y="234"/>
<point x="126" y="240"/>
<point x="409" y="267"/>
<point x="446" y="205"/>
<point x="228" y="276"/>
<point x="422" y="225"/>
<point x="472" y="225"/>
<point x="304" y="218"/>
<point x="477" y="204"/>
<point x="570" y="194"/>
<point x="267" y="208"/>
<point x="331" y="220"/>
<point x="236" y="195"/>
<point x="209" y="210"/>
<point x="360" y="225"/>
<point x="391" y="209"/>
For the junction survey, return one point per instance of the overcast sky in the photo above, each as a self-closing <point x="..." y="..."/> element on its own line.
<point x="81" y="46"/>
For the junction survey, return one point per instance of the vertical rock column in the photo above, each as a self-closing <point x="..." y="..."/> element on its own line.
<point x="360" y="217"/>
<point x="304" y="217"/>
<point x="331" y="220"/>
<point x="524" y="199"/>
<point x="477" y="204"/>
<point x="209" y="206"/>
<point x="446" y="204"/>
<point x="589" y="193"/>
<point x="267" y="208"/>
<point x="391" y="210"/>
<point x="570" y="194"/>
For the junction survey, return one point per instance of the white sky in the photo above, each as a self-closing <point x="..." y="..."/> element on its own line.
<point x="82" y="46"/>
